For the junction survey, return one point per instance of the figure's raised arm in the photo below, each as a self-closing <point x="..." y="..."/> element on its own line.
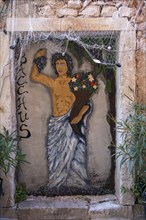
<point x="39" y="63"/>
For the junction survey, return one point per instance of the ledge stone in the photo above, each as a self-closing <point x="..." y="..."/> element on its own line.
<point x="75" y="23"/>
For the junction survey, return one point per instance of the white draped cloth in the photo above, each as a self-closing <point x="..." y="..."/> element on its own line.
<point x="67" y="153"/>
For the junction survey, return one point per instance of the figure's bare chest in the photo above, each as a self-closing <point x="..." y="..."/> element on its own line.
<point x="63" y="98"/>
<point x="61" y="87"/>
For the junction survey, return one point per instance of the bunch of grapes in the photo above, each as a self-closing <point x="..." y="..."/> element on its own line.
<point x="41" y="62"/>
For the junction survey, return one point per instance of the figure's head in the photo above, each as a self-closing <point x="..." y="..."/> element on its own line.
<point x="62" y="64"/>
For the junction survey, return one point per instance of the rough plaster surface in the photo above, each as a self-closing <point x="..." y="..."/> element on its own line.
<point x="99" y="159"/>
<point x="39" y="106"/>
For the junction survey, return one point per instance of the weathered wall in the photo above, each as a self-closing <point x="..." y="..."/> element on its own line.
<point x="133" y="10"/>
<point x="134" y="13"/>
<point x="7" y="118"/>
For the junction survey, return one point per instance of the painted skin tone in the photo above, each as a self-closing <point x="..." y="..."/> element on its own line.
<point x="62" y="97"/>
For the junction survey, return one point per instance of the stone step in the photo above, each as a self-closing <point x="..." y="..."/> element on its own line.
<point x="71" y="208"/>
<point x="136" y="218"/>
<point x="75" y="208"/>
<point x="8" y="218"/>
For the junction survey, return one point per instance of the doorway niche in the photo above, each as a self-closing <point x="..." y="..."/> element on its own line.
<point x="125" y="76"/>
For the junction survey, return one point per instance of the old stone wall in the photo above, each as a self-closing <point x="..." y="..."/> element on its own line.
<point x="134" y="11"/>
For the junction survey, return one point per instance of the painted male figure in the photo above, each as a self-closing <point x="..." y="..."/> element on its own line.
<point x="67" y="152"/>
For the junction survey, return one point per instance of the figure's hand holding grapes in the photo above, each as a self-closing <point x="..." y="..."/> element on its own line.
<point x="40" y="59"/>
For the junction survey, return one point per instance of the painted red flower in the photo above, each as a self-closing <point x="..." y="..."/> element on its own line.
<point x="92" y="83"/>
<point x="78" y="76"/>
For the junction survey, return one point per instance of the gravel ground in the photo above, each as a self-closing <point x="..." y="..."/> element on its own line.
<point x="64" y="191"/>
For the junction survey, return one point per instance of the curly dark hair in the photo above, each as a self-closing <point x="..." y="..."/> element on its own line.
<point x="66" y="57"/>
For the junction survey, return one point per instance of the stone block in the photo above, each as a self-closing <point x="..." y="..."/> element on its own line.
<point x="139" y="34"/>
<point x="109" y="209"/>
<point x="141" y="70"/>
<point x="126" y="12"/>
<point x="110" y="3"/>
<point x="56" y="4"/>
<point x="8" y="213"/>
<point x="22" y="11"/>
<point x="144" y="10"/>
<point x="115" y="15"/>
<point x="1" y="4"/>
<point x="111" y="218"/>
<point x="100" y="3"/>
<point x="138" y="211"/>
<point x="46" y="11"/>
<point x="133" y="12"/>
<point x="74" y="4"/>
<point x="91" y="11"/>
<point x="141" y="18"/>
<point x="66" y="12"/>
<point x="76" y="23"/>
<point x="40" y="2"/>
<point x="60" y="208"/>
<point x="108" y="11"/>
<point x="86" y="3"/>
<point x="142" y="26"/>
<point x="118" y="4"/>
<point x="100" y="199"/>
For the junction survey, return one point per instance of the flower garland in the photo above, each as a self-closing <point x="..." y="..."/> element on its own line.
<point x="83" y="81"/>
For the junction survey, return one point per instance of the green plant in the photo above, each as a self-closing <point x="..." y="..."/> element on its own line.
<point x="10" y="154"/>
<point x="133" y="147"/>
<point x="137" y="190"/>
<point x="20" y="194"/>
<point x="123" y="189"/>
